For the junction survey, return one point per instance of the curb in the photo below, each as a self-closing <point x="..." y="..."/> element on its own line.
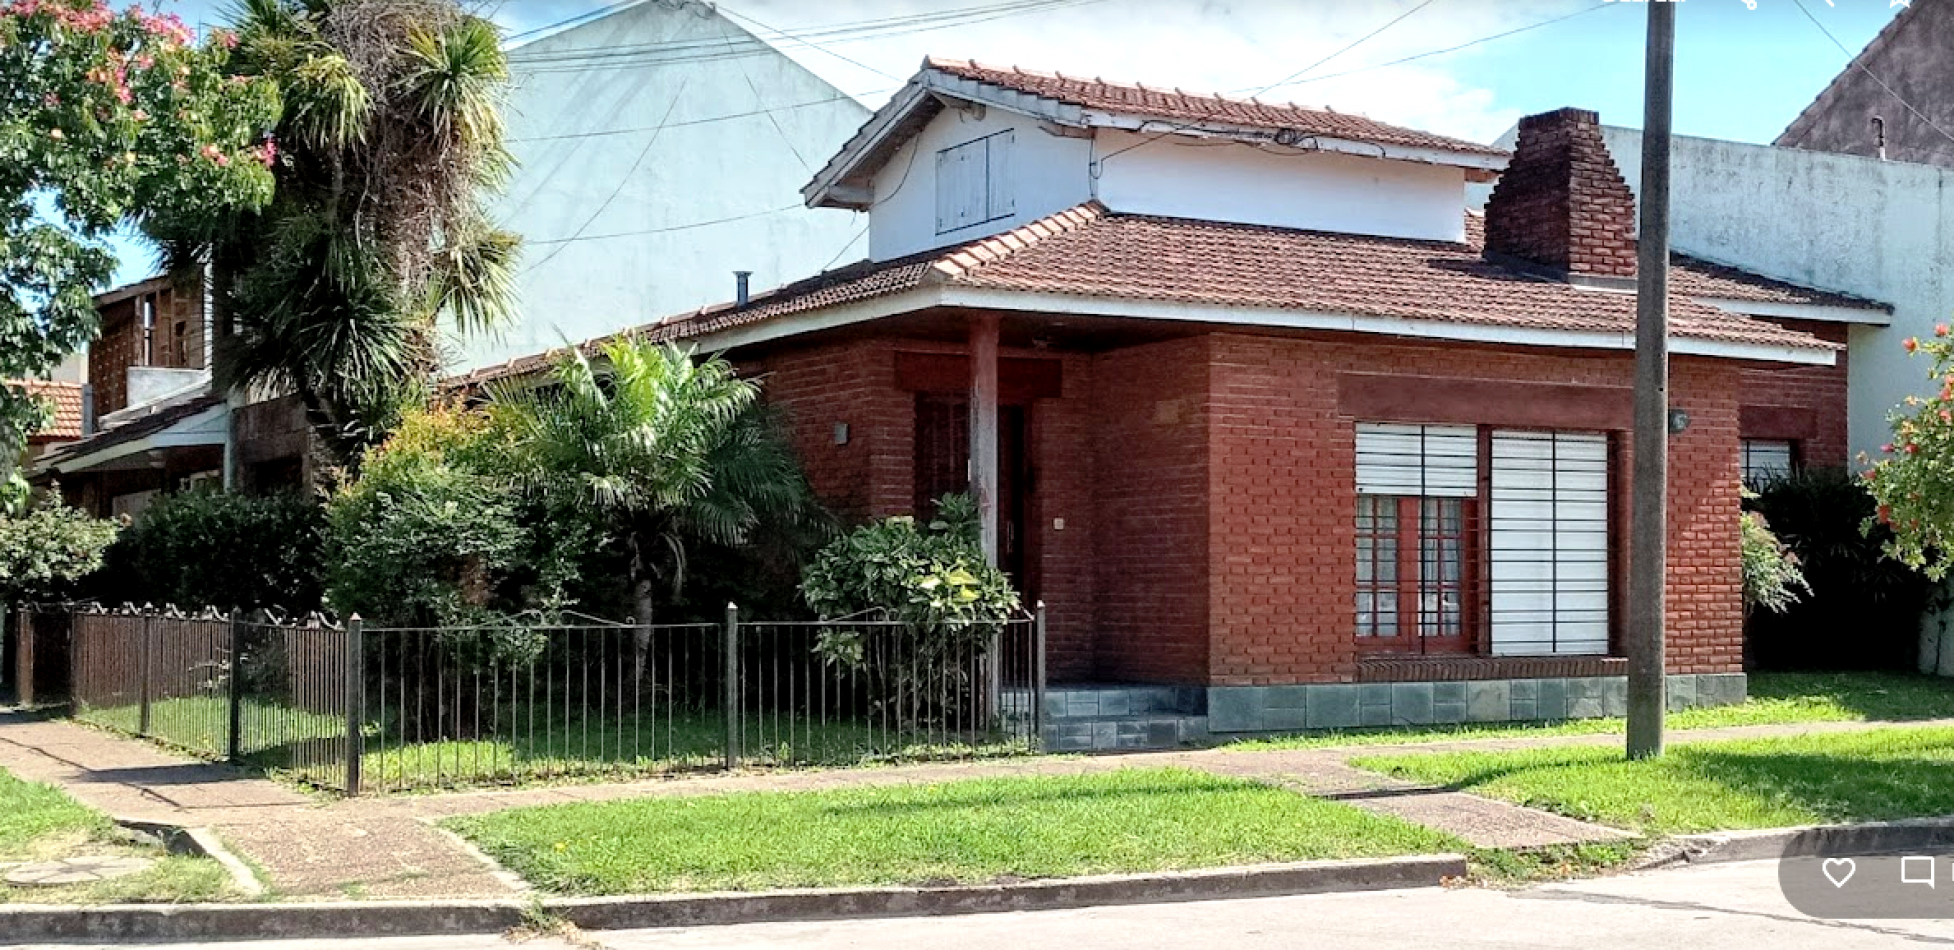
<point x="1831" y="840"/>
<point x="192" y="922"/>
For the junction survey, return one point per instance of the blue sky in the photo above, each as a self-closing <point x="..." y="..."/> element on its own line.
<point x="1741" y="73"/>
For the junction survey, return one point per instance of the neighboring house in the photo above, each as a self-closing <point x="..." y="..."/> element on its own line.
<point x="1891" y="101"/>
<point x="660" y="148"/>
<point x="153" y="422"/>
<point x="1259" y="413"/>
<point x="67" y="401"/>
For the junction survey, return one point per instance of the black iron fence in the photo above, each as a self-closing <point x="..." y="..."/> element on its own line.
<point x="356" y="708"/>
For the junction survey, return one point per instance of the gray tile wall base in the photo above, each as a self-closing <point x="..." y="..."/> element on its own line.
<point x="1238" y="709"/>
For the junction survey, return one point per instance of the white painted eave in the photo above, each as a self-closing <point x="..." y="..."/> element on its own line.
<point x="1824" y="313"/>
<point x="1227" y="315"/>
<point x="874" y="136"/>
<point x="204" y="428"/>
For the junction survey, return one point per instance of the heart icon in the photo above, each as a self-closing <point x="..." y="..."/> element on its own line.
<point x="1839" y="870"/>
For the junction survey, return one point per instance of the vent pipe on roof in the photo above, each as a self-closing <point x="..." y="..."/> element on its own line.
<point x="742" y="280"/>
<point x="1879" y="136"/>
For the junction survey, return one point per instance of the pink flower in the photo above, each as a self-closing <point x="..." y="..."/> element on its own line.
<point x="217" y="155"/>
<point x="1887" y="448"/>
<point x="1910" y="343"/>
<point x="1940" y="329"/>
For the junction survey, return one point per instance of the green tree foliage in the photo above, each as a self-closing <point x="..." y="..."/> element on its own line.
<point x="422" y="536"/>
<point x="106" y="118"/>
<point x="46" y="552"/>
<point x="220" y="549"/>
<point x="654" y="454"/>
<point x="1773" y="578"/>
<point x="389" y="139"/>
<point x="1827" y="518"/>
<point x="1913" y="479"/>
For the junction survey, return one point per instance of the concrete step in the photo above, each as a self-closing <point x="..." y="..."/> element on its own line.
<point x="1124" y="733"/>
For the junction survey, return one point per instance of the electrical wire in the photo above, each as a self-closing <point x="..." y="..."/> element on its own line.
<point x="1449" y="49"/>
<point x="1857" y="62"/>
<point x="707" y="120"/>
<point x="1353" y="44"/>
<point x="659" y="230"/>
<point x="622" y="181"/>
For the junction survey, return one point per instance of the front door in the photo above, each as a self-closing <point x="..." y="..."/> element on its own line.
<point x="943" y="467"/>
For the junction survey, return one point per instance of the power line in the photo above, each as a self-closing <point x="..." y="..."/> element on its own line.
<point x="1856" y="62"/>
<point x="662" y="230"/>
<point x="1353" y="44"/>
<point x="622" y="181"/>
<point x="849" y="31"/>
<point x="728" y="11"/>
<point x="579" y="18"/>
<point x="1441" y="52"/>
<point x="707" y="120"/>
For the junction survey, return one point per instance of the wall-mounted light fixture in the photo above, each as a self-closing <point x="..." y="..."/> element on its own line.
<point x="1678" y="421"/>
<point x="841" y="433"/>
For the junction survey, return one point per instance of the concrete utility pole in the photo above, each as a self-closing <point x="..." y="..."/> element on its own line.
<point x="1648" y="538"/>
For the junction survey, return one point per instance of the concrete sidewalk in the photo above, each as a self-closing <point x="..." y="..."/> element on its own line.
<point x="388" y="847"/>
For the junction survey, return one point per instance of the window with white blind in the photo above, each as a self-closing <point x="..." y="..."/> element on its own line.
<point x="973" y="182"/>
<point x="1479" y="539"/>
<point x="1547" y="556"/>
<point x="1766" y="460"/>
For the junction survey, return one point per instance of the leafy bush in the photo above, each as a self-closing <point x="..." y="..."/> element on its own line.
<point x="220" y="549"/>
<point x="932" y="578"/>
<point x="1772" y="578"/>
<point x="422" y="537"/>
<point x="1913" y="480"/>
<point x="1864" y="607"/>
<point x="46" y="552"/>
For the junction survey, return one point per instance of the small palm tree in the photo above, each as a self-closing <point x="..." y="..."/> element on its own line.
<point x="389" y="137"/>
<point x="663" y="449"/>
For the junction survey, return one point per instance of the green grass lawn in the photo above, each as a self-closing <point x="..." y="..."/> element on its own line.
<point x="972" y="831"/>
<point x="1712" y="786"/>
<point x="38" y="822"/>
<point x="1774" y="698"/>
<point x="528" y="743"/>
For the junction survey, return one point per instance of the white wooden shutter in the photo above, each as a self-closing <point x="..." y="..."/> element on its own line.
<point x="960" y="175"/>
<point x="1549" y="544"/>
<point x="1427" y="461"/>
<point x="998" y="202"/>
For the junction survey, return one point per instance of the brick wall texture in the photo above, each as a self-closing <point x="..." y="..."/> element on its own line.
<point x="1207" y="488"/>
<point x="1562" y="202"/>
<point x="1819" y="390"/>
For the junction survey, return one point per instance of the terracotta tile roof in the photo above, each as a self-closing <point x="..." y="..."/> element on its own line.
<point x="66" y="398"/>
<point x="1089" y="251"/>
<point x="1696" y="277"/>
<point x="1176" y="105"/>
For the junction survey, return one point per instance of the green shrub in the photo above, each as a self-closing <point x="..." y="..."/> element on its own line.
<point x="425" y="534"/>
<point x="1864" y="607"/>
<point x="1773" y="578"/>
<point x="220" y="549"/>
<point x="46" y="552"/>
<point x="932" y="578"/>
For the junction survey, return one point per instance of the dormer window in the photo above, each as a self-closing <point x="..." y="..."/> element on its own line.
<point x="973" y="182"/>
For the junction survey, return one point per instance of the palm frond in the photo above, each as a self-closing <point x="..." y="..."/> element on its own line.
<point x="456" y="77"/>
<point x="474" y="280"/>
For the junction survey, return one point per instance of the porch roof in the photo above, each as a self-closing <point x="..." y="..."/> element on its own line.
<point x="1091" y="259"/>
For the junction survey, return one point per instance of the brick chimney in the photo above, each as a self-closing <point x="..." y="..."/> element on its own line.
<point x="1561" y="205"/>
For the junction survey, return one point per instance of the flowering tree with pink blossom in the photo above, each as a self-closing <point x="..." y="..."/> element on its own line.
<point x="107" y="118"/>
<point x="1913" y="478"/>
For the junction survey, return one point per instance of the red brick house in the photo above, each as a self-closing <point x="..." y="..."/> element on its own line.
<point x="1281" y="437"/>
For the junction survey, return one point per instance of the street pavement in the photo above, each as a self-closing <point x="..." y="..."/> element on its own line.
<point x="1702" y="908"/>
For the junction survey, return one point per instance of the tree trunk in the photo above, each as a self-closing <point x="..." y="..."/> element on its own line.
<point x="642" y="606"/>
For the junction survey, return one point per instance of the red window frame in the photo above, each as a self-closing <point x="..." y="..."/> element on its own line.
<point x="1402" y="587"/>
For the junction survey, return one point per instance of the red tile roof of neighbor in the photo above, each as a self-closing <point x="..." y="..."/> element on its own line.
<point x="66" y="398"/>
<point x="1088" y="251"/>
<point x="1177" y="105"/>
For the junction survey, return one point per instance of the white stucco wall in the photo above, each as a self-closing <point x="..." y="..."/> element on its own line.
<point x="1318" y="191"/>
<point x="1049" y="175"/>
<point x="1837" y="222"/>
<point x="743" y="128"/>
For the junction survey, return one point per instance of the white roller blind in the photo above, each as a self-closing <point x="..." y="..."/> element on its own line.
<point x="1428" y="461"/>
<point x="1549" y="544"/>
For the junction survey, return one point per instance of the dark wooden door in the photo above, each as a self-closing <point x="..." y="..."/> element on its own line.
<point x="943" y="467"/>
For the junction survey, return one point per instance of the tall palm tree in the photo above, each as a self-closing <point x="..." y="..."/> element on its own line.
<point x="389" y="138"/>
<point x="662" y="450"/>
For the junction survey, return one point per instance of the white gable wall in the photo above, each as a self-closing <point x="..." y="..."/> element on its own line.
<point x="662" y="217"/>
<point x="1048" y="172"/>
<point x="1285" y="188"/>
